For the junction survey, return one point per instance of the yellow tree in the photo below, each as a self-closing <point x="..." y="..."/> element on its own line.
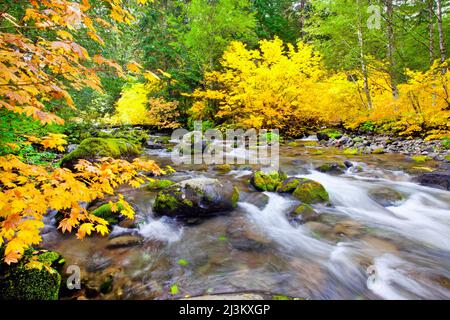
<point x="41" y="68"/>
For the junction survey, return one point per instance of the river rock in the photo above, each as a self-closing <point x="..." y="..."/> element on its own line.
<point x="440" y="180"/>
<point x="310" y="192"/>
<point x="267" y="181"/>
<point x="386" y="197"/>
<point x="303" y="213"/>
<point x="289" y="185"/>
<point x="198" y="197"/>
<point x="349" y="229"/>
<point x="243" y="235"/>
<point x="332" y="168"/>
<point x="124" y="241"/>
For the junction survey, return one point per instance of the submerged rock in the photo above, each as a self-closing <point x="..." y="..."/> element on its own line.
<point x="23" y="281"/>
<point x="124" y="241"/>
<point x="267" y="181"/>
<point x="303" y="213"/>
<point x="386" y="197"/>
<point x="243" y="235"/>
<point x="332" y="168"/>
<point x="94" y="148"/>
<point x="197" y="197"/>
<point x="440" y="180"/>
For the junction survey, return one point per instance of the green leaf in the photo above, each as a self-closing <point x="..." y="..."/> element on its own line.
<point x="174" y="289"/>
<point x="183" y="262"/>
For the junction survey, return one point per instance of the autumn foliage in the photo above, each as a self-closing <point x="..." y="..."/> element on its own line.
<point x="286" y="87"/>
<point x="42" y="67"/>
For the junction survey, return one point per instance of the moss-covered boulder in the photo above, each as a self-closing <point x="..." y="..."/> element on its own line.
<point x="104" y="211"/>
<point x="289" y="185"/>
<point x="267" y="181"/>
<point x="35" y="277"/>
<point x="303" y="213"/>
<point x="199" y="197"/>
<point x="223" y="168"/>
<point x="310" y="192"/>
<point x="94" y="148"/>
<point x="158" y="184"/>
<point x="332" y="168"/>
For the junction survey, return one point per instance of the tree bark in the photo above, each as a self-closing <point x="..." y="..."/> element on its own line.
<point x="391" y="46"/>
<point x="363" y="59"/>
<point x="431" y="30"/>
<point x="441" y="33"/>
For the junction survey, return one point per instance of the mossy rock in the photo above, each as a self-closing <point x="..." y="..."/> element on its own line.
<point x="21" y="282"/>
<point x="378" y="151"/>
<point x="447" y="157"/>
<point x="94" y="148"/>
<point x="223" y="168"/>
<point x="158" y="184"/>
<point x="351" y="151"/>
<point x="420" y="159"/>
<point x="310" y="192"/>
<point x="194" y="198"/>
<point x="332" y="168"/>
<point x="303" y="213"/>
<point x="288" y="185"/>
<point x="267" y="181"/>
<point x="105" y="212"/>
<point x="386" y="197"/>
<point x="136" y="136"/>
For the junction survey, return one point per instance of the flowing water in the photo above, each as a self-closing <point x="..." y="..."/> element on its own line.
<point x="357" y="249"/>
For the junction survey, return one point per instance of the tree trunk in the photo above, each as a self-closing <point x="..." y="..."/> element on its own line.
<point x="302" y="18"/>
<point x="431" y="30"/>
<point x="391" y="46"/>
<point x="441" y="33"/>
<point x="363" y="59"/>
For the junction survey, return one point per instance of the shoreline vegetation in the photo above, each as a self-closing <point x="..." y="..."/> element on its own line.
<point x="90" y="92"/>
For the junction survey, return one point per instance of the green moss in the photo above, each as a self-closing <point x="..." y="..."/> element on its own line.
<point x="332" y="133"/>
<point x="304" y="209"/>
<point x="351" y="151"/>
<point x="19" y="282"/>
<point x="310" y="191"/>
<point x="288" y="186"/>
<point x="165" y="201"/>
<point x="101" y="147"/>
<point x="188" y="202"/>
<point x="447" y="157"/>
<point x="263" y="181"/>
<point x="159" y="184"/>
<point x="223" y="168"/>
<point x="292" y="144"/>
<point x="378" y="151"/>
<point x="104" y="212"/>
<point x="419" y="159"/>
<point x="235" y="197"/>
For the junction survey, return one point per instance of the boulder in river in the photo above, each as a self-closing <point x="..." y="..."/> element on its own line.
<point x="332" y="168"/>
<point x="310" y="192"/>
<point x="198" y="197"/>
<point x="289" y="185"/>
<point x="94" y="148"/>
<point x="23" y="281"/>
<point x="440" y="180"/>
<point x="246" y="236"/>
<point x="386" y="197"/>
<point x="303" y="213"/>
<point x="267" y="181"/>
